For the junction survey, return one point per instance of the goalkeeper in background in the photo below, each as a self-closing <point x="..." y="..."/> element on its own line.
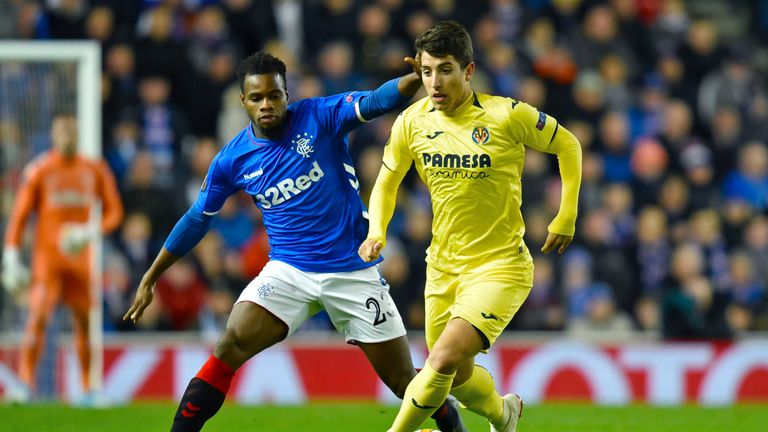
<point x="60" y="188"/>
<point x="468" y="149"/>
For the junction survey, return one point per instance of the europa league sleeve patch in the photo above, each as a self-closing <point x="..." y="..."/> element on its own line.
<point x="542" y="121"/>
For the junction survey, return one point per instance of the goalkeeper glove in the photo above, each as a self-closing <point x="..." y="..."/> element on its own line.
<point x="14" y="274"/>
<point x="74" y="238"/>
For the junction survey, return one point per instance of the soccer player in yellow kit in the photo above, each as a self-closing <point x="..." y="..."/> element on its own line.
<point x="468" y="149"/>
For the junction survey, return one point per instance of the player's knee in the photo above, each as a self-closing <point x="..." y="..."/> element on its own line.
<point x="228" y="349"/>
<point x="446" y="360"/>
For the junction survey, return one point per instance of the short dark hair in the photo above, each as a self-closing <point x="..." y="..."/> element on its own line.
<point x="258" y="64"/>
<point x="446" y="38"/>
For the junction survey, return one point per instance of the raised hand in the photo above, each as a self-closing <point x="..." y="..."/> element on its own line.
<point x="415" y="64"/>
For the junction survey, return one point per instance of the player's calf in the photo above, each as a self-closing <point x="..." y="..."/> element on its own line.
<point x="203" y="397"/>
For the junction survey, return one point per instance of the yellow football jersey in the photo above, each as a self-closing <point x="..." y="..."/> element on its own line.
<point x="471" y="160"/>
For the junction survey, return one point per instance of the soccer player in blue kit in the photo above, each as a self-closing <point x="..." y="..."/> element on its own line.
<point x="293" y="160"/>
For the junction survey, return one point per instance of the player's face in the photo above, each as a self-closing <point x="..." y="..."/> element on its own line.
<point x="265" y="99"/>
<point x="447" y="84"/>
<point x="64" y="135"/>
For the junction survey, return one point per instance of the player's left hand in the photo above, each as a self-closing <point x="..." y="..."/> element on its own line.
<point x="415" y="64"/>
<point x="557" y="242"/>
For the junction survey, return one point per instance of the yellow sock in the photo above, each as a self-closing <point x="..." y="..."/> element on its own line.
<point x="424" y="395"/>
<point x="479" y="395"/>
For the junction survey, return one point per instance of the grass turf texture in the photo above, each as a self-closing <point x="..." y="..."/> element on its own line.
<point x="354" y="417"/>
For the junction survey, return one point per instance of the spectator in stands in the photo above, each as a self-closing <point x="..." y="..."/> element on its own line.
<point x="142" y="193"/>
<point x="749" y="182"/>
<point x="181" y="293"/>
<point x="163" y="125"/>
<point x="615" y="77"/>
<point x="744" y="285"/>
<point x="336" y="67"/>
<point x="135" y="242"/>
<point x="734" y="84"/>
<point x="618" y="204"/>
<point x="674" y="199"/>
<point x="615" y="146"/>
<point x="603" y="319"/>
<point x="251" y="22"/>
<point x="701" y="52"/>
<point x="676" y="131"/>
<point x="705" y="233"/>
<point x="696" y="163"/>
<point x="653" y="251"/>
<point x="121" y="97"/>
<point x="580" y="288"/>
<point x="648" y="162"/>
<point x="756" y="241"/>
<point x="158" y="53"/>
<point x="690" y="308"/>
<point x="543" y="309"/>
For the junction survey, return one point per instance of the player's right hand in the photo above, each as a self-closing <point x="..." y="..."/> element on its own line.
<point x="370" y="249"/>
<point x="144" y="296"/>
<point x="415" y="64"/>
<point x="14" y="274"/>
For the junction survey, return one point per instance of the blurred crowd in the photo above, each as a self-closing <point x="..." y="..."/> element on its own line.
<point x="667" y="97"/>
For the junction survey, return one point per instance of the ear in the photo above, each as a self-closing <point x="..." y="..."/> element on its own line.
<point x="287" y="95"/>
<point x="469" y="71"/>
<point x="242" y="100"/>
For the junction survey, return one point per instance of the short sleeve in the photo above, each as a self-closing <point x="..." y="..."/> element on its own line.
<point x="530" y="126"/>
<point x="216" y="188"/>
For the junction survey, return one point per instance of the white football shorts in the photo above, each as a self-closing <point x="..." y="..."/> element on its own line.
<point x="358" y="302"/>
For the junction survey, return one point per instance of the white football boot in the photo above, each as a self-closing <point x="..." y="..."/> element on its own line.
<point x="513" y="410"/>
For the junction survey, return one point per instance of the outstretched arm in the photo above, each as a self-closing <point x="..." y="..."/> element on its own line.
<point x="562" y="228"/>
<point x="190" y="229"/>
<point x="392" y="93"/>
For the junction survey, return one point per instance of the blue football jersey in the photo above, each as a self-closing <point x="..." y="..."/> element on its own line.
<point x="303" y="182"/>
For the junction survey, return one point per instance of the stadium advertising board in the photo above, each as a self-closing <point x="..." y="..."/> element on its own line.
<point x="659" y="374"/>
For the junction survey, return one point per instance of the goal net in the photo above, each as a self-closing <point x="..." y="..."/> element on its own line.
<point x="37" y="80"/>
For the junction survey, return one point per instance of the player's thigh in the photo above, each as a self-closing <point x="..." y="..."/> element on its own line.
<point x="439" y="296"/>
<point x="76" y="289"/>
<point x="250" y="330"/>
<point x="488" y="298"/>
<point x="360" y="307"/>
<point x="45" y="291"/>
<point x="289" y="294"/>
<point x="392" y="361"/>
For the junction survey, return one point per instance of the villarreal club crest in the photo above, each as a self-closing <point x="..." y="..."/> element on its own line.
<point x="480" y="135"/>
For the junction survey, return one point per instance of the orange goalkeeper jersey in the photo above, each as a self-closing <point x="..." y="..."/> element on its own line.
<point x="62" y="191"/>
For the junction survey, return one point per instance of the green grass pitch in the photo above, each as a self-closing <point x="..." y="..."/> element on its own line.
<point x="353" y="417"/>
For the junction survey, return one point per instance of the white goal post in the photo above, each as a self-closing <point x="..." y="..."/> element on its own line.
<point x="87" y="56"/>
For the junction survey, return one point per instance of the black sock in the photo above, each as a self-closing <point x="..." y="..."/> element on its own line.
<point x="199" y="403"/>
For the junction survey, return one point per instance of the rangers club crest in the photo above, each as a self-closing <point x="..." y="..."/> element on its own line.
<point x="480" y="135"/>
<point x="303" y="144"/>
